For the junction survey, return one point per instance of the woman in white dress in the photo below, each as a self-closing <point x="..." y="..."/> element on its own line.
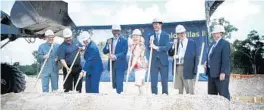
<point x="138" y="60"/>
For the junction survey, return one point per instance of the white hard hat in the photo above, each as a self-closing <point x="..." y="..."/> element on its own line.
<point x="218" y="28"/>
<point x="136" y="32"/>
<point x="67" y="33"/>
<point x="116" y="27"/>
<point x="157" y="20"/>
<point x="49" y="33"/>
<point x="83" y="36"/>
<point x="180" y="29"/>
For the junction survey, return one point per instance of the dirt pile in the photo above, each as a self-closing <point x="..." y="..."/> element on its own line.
<point x="105" y="101"/>
<point x="247" y="86"/>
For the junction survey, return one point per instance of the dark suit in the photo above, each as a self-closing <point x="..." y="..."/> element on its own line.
<point x="160" y="62"/>
<point x="120" y="64"/>
<point x="190" y="60"/>
<point x="93" y="67"/>
<point x="186" y="72"/>
<point x="219" y="63"/>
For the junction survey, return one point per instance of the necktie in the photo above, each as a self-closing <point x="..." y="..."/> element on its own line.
<point x="114" y="45"/>
<point x="212" y="48"/>
<point x="181" y="44"/>
<point x="210" y="52"/>
<point x="157" y="34"/>
<point x="180" y="52"/>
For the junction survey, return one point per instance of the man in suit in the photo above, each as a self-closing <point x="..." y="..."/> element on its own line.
<point x="93" y="66"/>
<point x="186" y="59"/>
<point x="159" y="60"/>
<point x="51" y="70"/>
<point x="118" y="57"/>
<point x="217" y="64"/>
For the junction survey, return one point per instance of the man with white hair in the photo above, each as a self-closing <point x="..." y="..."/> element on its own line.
<point x="119" y="46"/>
<point x="50" y="71"/>
<point x="186" y="61"/>
<point x="93" y="66"/>
<point x="66" y="53"/>
<point x="218" y="64"/>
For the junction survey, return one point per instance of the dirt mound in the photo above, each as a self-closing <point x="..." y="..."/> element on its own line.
<point x="247" y="86"/>
<point x="105" y="101"/>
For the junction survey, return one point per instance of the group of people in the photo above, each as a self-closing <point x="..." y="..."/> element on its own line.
<point x="183" y="50"/>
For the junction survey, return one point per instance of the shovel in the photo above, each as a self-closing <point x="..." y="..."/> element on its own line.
<point x="68" y="73"/>
<point x="149" y="65"/>
<point x="44" y="63"/>
<point x="198" y="69"/>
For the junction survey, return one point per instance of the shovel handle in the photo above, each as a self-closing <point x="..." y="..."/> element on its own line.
<point x="129" y="62"/>
<point x="199" y="63"/>
<point x="174" y="65"/>
<point x="110" y="60"/>
<point x="149" y="65"/>
<point x="77" y="82"/>
<point x="68" y="73"/>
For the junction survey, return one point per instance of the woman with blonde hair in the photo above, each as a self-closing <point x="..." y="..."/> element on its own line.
<point x="138" y="60"/>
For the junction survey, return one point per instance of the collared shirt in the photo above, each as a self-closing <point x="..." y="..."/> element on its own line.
<point x="68" y="52"/>
<point x="182" y="49"/>
<point x="158" y="34"/>
<point x="115" y="40"/>
<point x="51" y="64"/>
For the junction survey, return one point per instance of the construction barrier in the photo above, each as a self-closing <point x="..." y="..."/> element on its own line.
<point x="242" y="76"/>
<point x="259" y="99"/>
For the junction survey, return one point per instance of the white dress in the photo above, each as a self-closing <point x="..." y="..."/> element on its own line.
<point x="140" y="74"/>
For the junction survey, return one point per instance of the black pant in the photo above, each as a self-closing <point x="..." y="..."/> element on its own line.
<point x="73" y="77"/>
<point x="215" y="86"/>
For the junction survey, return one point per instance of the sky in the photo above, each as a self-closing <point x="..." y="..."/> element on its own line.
<point x="246" y="15"/>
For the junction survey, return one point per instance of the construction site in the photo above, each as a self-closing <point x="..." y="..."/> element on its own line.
<point x="20" y="91"/>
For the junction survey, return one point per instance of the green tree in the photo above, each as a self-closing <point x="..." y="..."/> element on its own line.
<point x="32" y="69"/>
<point x="229" y="28"/>
<point x="249" y="53"/>
<point x="101" y="47"/>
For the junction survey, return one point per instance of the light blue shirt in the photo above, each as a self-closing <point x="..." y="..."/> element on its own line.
<point x="158" y="35"/>
<point x="51" y="65"/>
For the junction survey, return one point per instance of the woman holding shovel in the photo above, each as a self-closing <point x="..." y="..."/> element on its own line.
<point x="138" y="60"/>
<point x="93" y="66"/>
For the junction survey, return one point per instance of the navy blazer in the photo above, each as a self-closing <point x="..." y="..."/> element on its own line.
<point x="190" y="60"/>
<point x="164" y="45"/>
<point x="93" y="62"/>
<point x="219" y="59"/>
<point x="120" y="53"/>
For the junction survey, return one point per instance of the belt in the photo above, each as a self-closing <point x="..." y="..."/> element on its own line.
<point x="179" y="64"/>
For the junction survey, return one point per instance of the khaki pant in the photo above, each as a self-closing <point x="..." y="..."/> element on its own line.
<point x="181" y="83"/>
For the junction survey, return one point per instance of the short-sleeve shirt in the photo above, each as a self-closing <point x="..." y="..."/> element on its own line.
<point x="68" y="52"/>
